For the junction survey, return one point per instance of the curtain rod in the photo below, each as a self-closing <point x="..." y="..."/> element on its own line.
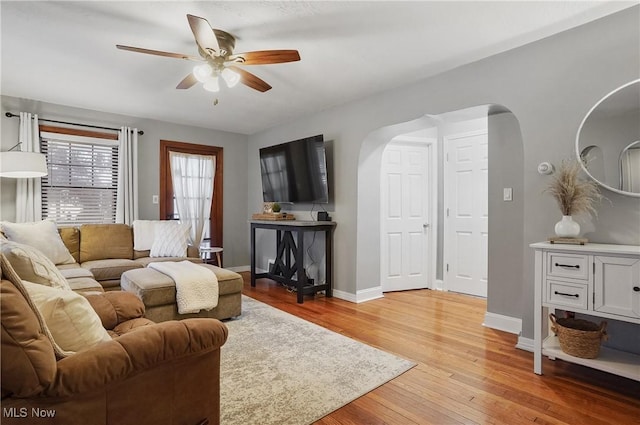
<point x="10" y="115"/>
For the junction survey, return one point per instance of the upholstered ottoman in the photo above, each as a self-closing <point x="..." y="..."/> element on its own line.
<point x="158" y="293"/>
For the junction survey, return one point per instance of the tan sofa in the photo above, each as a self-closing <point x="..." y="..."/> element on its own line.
<point x="103" y="252"/>
<point x="165" y="373"/>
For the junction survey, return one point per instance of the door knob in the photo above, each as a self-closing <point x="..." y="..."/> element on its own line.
<point x="425" y="225"/>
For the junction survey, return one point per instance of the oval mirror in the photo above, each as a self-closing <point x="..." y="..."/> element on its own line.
<point x="608" y="140"/>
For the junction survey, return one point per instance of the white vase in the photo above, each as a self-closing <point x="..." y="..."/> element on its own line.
<point x="567" y="228"/>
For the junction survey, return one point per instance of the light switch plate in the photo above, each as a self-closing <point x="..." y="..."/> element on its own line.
<point x="507" y="194"/>
<point x="154" y="199"/>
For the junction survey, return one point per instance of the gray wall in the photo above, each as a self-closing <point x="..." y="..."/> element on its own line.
<point x="235" y="162"/>
<point x="506" y="219"/>
<point x="549" y="86"/>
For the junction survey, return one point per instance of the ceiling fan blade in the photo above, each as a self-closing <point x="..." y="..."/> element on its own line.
<point x="250" y="80"/>
<point x="187" y="82"/>
<point x="159" y="53"/>
<point x="203" y="34"/>
<point x="264" y="57"/>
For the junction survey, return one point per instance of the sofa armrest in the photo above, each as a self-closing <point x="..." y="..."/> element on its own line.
<point x="115" y="307"/>
<point x="136" y="352"/>
<point x="193" y="251"/>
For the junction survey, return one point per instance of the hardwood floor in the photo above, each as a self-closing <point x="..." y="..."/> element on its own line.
<point x="466" y="373"/>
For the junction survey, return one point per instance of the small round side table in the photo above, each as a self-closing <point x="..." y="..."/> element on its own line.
<point x="204" y="250"/>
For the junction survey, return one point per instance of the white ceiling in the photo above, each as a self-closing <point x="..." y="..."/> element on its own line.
<point x="64" y="52"/>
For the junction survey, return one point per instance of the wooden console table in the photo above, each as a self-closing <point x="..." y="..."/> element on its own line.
<point x="288" y="247"/>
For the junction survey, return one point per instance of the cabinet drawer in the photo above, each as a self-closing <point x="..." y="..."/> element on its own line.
<point x="574" y="266"/>
<point x="567" y="294"/>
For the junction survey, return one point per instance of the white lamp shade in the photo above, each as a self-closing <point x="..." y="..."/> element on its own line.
<point x="202" y="72"/>
<point x="17" y="164"/>
<point x="230" y="77"/>
<point x="212" y="84"/>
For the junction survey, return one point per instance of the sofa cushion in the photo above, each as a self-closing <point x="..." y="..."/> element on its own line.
<point x="110" y="269"/>
<point x="151" y="286"/>
<point x="79" y="279"/>
<point x="70" y="271"/>
<point x="85" y="285"/>
<point x="28" y="360"/>
<point x="192" y="253"/>
<point x="141" y="254"/>
<point x="148" y="260"/>
<point x="32" y="265"/>
<point x="132" y="325"/>
<point x="170" y="239"/>
<point x="115" y="307"/>
<point x="42" y="235"/>
<point x="155" y="288"/>
<point x="73" y="323"/>
<point x="100" y="241"/>
<point x="71" y="238"/>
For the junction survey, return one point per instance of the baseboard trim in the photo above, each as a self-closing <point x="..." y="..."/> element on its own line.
<point x="369" y="294"/>
<point x="502" y="323"/>
<point x="438" y="285"/>
<point x="525" y="344"/>
<point x="360" y="296"/>
<point x="347" y="296"/>
<point x="239" y="269"/>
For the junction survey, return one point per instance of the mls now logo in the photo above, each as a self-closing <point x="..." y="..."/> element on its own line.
<point x="23" y="412"/>
<point x="14" y="412"/>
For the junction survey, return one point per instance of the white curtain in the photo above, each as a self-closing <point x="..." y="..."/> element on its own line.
<point x="192" y="177"/>
<point x="127" y="193"/>
<point x="28" y="192"/>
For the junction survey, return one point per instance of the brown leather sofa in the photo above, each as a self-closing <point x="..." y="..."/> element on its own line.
<point x="166" y="373"/>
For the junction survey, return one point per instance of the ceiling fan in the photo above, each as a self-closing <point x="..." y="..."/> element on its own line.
<point x="218" y="60"/>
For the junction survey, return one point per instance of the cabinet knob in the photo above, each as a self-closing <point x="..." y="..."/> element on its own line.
<point x="636" y="288"/>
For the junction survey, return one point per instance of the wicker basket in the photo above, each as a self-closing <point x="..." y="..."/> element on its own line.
<point x="579" y="338"/>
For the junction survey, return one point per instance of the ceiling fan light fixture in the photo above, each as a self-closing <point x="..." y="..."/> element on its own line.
<point x="215" y="48"/>
<point x="230" y="77"/>
<point x="202" y="72"/>
<point x="212" y="85"/>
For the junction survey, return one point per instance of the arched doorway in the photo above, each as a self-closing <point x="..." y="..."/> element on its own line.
<point x="507" y="163"/>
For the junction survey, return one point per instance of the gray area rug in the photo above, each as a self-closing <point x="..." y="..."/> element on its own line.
<point x="279" y="369"/>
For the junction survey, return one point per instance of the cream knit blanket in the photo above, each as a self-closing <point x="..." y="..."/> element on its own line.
<point x="196" y="286"/>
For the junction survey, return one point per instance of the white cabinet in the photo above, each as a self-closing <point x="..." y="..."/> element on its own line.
<point x="617" y="286"/>
<point x="596" y="279"/>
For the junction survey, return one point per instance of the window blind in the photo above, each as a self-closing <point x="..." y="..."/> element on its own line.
<point x="82" y="181"/>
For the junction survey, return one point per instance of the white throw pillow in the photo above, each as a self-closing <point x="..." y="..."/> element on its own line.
<point x="73" y="323"/>
<point x="144" y="232"/>
<point x="32" y="265"/>
<point x="42" y="235"/>
<point x="170" y="239"/>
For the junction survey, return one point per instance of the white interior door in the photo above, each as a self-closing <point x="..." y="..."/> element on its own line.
<point x="406" y="249"/>
<point x="466" y="213"/>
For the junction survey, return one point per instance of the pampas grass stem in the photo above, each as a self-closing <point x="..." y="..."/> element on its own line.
<point x="574" y="196"/>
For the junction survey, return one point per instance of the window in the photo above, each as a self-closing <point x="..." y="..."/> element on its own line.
<point x="168" y="209"/>
<point x="82" y="182"/>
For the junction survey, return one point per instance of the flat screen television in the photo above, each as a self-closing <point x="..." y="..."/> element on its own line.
<point x="295" y="172"/>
